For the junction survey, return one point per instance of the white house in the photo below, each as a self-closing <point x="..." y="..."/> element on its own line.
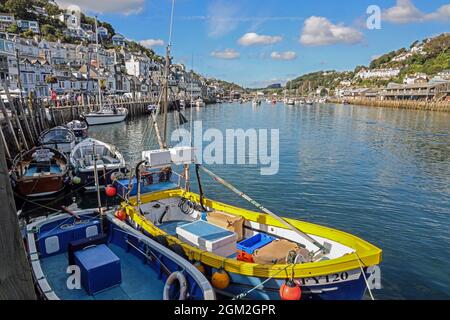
<point x="139" y="66"/>
<point x="415" y="78"/>
<point x="378" y="73"/>
<point x="118" y="40"/>
<point x="102" y="32"/>
<point x="28" y="25"/>
<point x="6" y="20"/>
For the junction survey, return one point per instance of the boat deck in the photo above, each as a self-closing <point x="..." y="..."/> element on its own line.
<point x="32" y="170"/>
<point x="170" y="227"/>
<point x="139" y="281"/>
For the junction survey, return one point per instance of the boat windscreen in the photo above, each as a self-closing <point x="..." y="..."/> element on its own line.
<point x="58" y="135"/>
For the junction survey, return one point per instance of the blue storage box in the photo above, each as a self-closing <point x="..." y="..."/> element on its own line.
<point x="100" y="268"/>
<point x="255" y="242"/>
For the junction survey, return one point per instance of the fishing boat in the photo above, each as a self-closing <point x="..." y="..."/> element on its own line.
<point x="38" y="172"/>
<point x="199" y="102"/>
<point x="290" y="102"/>
<point x="94" y="255"/>
<point x="79" y="128"/>
<point x="256" y="102"/>
<point x="60" y="138"/>
<point x="256" y="250"/>
<point x="90" y="153"/>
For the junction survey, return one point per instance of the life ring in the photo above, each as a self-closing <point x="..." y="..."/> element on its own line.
<point x="175" y="276"/>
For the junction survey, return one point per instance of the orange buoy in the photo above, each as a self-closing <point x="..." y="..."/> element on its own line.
<point x="110" y="191"/>
<point x="199" y="266"/>
<point x="121" y="214"/>
<point x="220" y="279"/>
<point x="290" y="290"/>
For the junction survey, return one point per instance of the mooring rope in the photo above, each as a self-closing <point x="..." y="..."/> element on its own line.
<point x="364" y="275"/>
<point x="246" y="293"/>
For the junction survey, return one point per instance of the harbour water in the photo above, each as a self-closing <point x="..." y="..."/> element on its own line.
<point x="381" y="174"/>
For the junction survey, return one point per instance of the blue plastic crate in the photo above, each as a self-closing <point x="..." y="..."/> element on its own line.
<point x="100" y="268"/>
<point x="255" y="242"/>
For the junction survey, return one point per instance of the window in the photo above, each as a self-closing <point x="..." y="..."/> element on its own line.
<point x="61" y="84"/>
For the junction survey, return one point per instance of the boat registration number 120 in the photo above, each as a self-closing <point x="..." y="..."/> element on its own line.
<point x="331" y="278"/>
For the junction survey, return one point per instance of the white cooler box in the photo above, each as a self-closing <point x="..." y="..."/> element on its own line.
<point x="208" y="237"/>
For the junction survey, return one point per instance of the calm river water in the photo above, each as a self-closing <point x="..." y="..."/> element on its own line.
<point x="381" y="174"/>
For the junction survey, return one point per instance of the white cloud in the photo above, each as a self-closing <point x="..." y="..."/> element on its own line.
<point x="150" y="43"/>
<point x="287" y="55"/>
<point x="443" y="14"/>
<point x="220" y="19"/>
<point x="319" y="31"/>
<point x="228" y="54"/>
<point x="406" y="12"/>
<point x="126" y="7"/>
<point x="252" y="38"/>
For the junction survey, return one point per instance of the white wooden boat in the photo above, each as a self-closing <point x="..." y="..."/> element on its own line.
<point x="106" y="115"/>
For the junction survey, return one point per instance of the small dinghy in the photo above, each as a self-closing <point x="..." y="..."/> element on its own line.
<point x="79" y="128"/>
<point x="108" y="114"/>
<point x="41" y="171"/>
<point x="109" y="161"/>
<point x="87" y="255"/>
<point x="60" y="138"/>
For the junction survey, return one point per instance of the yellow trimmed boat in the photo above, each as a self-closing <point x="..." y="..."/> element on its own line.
<point x="344" y="272"/>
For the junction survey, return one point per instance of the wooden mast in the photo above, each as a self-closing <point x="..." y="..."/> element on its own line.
<point x="15" y="274"/>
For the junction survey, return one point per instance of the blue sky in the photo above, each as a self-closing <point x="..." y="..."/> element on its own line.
<point x="257" y="42"/>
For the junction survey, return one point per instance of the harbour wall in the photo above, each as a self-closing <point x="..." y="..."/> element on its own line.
<point x="442" y="106"/>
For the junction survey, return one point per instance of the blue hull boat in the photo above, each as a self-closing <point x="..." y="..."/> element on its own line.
<point x="83" y="256"/>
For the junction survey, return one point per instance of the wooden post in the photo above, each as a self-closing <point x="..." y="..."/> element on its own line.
<point x="15" y="274"/>
<point x="8" y="154"/>
<point x="16" y="116"/>
<point x="10" y="126"/>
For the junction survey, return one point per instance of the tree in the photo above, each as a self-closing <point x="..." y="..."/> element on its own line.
<point x="13" y="29"/>
<point x="48" y="29"/>
<point x="18" y="7"/>
<point x="28" y="34"/>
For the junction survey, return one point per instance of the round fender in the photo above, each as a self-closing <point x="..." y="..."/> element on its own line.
<point x="176" y="276"/>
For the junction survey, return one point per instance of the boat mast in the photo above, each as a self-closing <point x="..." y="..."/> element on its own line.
<point x="98" y="64"/>
<point x="166" y="82"/>
<point x="166" y="97"/>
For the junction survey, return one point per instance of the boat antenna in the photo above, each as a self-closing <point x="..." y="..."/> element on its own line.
<point x="323" y="248"/>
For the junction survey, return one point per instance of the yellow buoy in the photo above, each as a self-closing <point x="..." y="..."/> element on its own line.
<point x="220" y="279"/>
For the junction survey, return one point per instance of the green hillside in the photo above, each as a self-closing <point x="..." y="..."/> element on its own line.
<point x="432" y="56"/>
